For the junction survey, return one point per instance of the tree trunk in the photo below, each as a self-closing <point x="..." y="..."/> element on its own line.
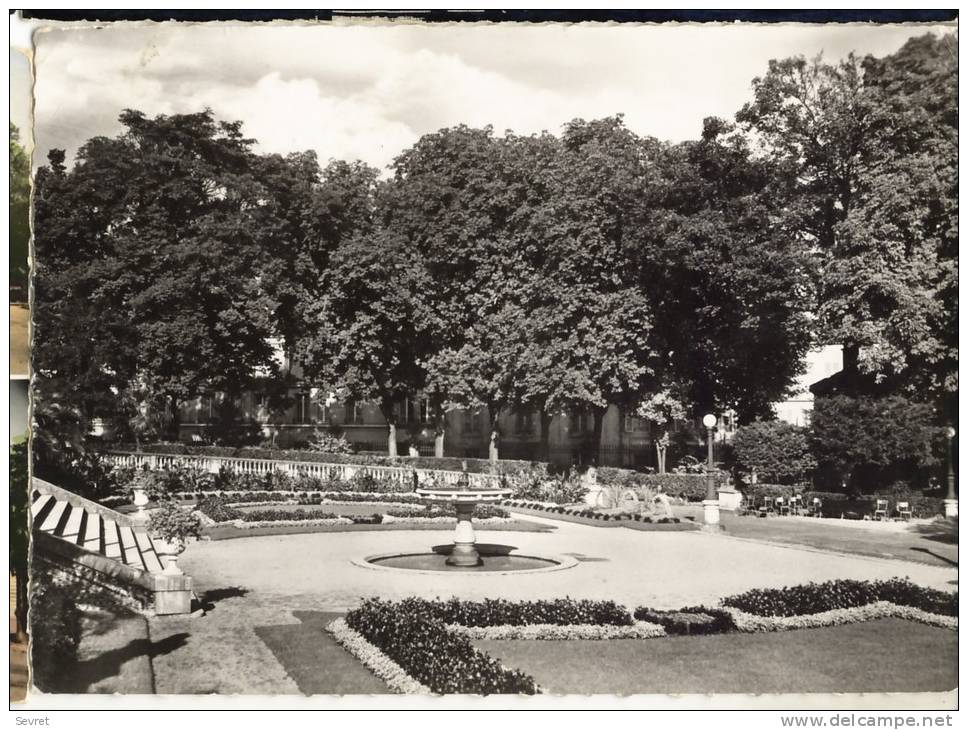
<point x="620" y="456"/>
<point x="440" y="427"/>
<point x="492" y="447"/>
<point x="174" y="425"/>
<point x="545" y="448"/>
<point x="598" y="417"/>
<point x="391" y="438"/>
<point x="386" y="408"/>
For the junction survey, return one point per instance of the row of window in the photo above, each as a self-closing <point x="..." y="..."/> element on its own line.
<point x="309" y="410"/>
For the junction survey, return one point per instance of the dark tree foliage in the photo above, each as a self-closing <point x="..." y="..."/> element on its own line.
<point x="730" y="289"/>
<point x="867" y="150"/>
<point x="868" y="441"/>
<point x="776" y="451"/>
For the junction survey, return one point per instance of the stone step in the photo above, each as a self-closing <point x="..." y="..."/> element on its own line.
<point x="53" y="517"/>
<point x="148" y="554"/>
<point x="91" y="540"/>
<point x="42" y="506"/>
<point x="129" y="547"/>
<point x="72" y="528"/>
<point x="112" y="541"/>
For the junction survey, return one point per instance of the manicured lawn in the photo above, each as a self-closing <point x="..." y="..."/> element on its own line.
<point x="313" y="659"/>
<point x="889" y="655"/>
<point x="933" y="545"/>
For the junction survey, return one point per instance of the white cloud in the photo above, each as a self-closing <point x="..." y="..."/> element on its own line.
<point x="369" y="91"/>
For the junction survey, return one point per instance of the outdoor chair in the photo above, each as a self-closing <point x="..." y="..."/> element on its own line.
<point x="796" y="505"/>
<point x="880" y="509"/>
<point x="782" y="506"/>
<point x="903" y="510"/>
<point x="766" y="506"/>
<point x="816" y="508"/>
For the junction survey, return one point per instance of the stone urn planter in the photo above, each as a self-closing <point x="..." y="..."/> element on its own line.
<point x="168" y="552"/>
<point x="171" y="528"/>
<point x="139" y="498"/>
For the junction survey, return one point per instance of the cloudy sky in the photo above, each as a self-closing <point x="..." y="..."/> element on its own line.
<point x="369" y="91"/>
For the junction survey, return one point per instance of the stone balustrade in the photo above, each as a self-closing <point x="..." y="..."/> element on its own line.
<point x="322" y="470"/>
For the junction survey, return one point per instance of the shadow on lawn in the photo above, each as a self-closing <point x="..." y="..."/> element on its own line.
<point x="109" y="663"/>
<point x="945" y="531"/>
<point x="935" y="555"/>
<point x="208" y="599"/>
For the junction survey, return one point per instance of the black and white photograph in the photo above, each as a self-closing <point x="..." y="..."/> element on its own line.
<point x="385" y="356"/>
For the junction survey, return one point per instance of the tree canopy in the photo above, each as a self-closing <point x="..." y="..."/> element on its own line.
<point x="548" y="273"/>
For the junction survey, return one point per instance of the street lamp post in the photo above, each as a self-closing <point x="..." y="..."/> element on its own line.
<point x="951" y="500"/>
<point x="711" y="503"/>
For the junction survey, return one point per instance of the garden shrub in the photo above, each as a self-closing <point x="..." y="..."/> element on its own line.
<point x="692" y="620"/>
<point x="774" y="450"/>
<point x="420" y="643"/>
<point x="55" y="630"/>
<point x="876" y="437"/>
<point x="326" y="442"/>
<point x="538" y="483"/>
<point x="817" y="597"/>
<point x="217" y="508"/>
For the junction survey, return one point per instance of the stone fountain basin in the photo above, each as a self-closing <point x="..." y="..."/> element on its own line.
<point x="464" y="496"/>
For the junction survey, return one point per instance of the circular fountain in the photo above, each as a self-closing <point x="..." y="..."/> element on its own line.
<point x="465" y="555"/>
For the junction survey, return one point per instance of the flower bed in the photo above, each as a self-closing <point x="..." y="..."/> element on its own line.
<point x="419" y="645"/>
<point x="597" y="518"/>
<point x="818" y="597"/>
<point x="500" y="612"/>
<point x="432" y="656"/>
<point x="752" y="623"/>
<point x="219" y="509"/>
<point x="559" y="632"/>
<point x="375" y="660"/>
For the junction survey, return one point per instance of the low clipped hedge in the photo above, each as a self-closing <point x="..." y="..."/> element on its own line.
<point x="834" y="504"/>
<point x="447" y="463"/>
<point x="501" y="612"/>
<point x="416" y="639"/>
<point x="818" y="597"/>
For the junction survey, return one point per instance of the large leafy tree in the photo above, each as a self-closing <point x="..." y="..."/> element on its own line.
<point x="452" y="204"/>
<point x="368" y="333"/>
<point x="729" y="288"/>
<point x="867" y="150"/>
<point x="591" y="320"/>
<point x="151" y="252"/>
